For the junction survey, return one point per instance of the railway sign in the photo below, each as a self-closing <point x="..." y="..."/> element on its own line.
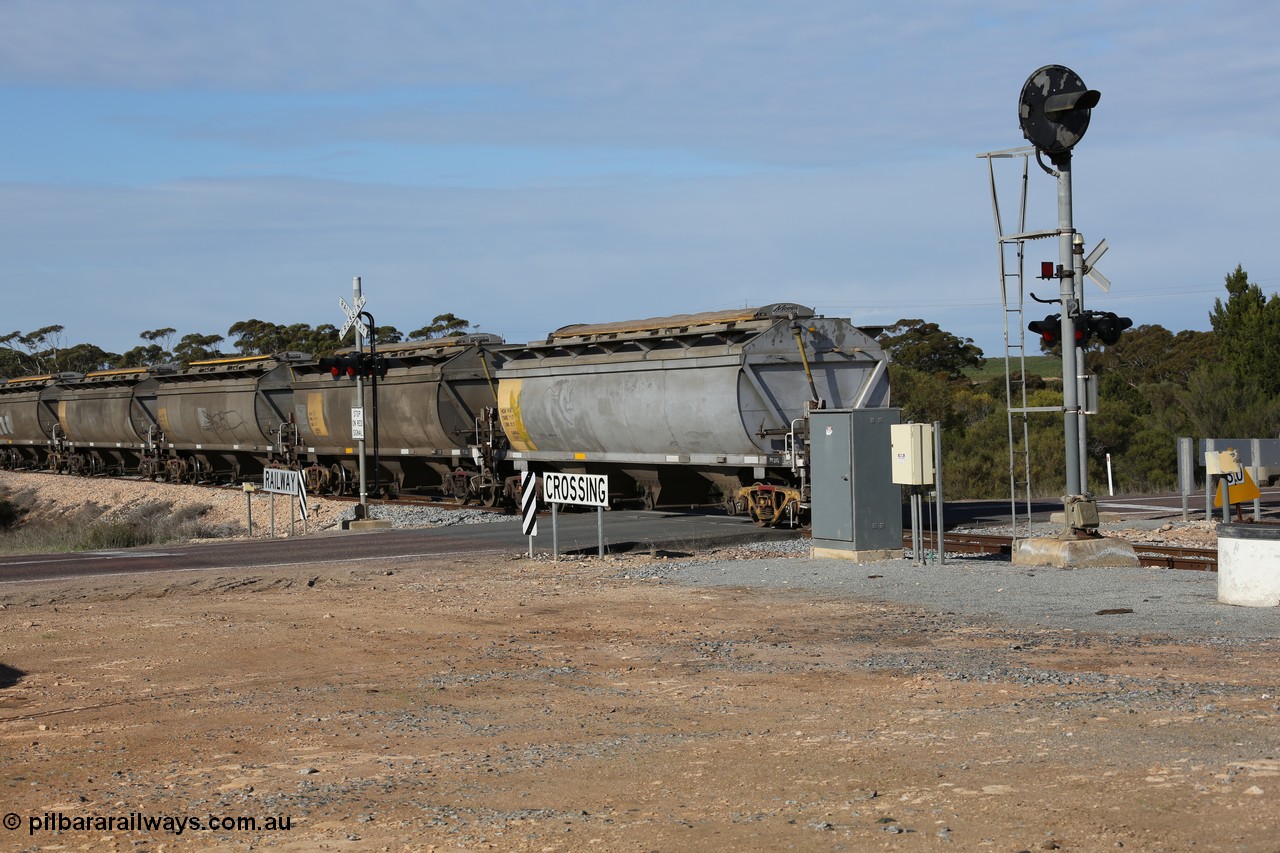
<point x="1090" y="260"/>
<point x="357" y="423"/>
<point x="1240" y="487"/>
<point x="286" y="481"/>
<point x="576" y="489"/>
<point x="353" y="318"/>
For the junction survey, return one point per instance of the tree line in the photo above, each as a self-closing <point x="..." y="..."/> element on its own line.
<point x="43" y="351"/>
<point x="1154" y="386"/>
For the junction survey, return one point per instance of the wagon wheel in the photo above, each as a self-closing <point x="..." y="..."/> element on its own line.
<point x="338" y="479"/>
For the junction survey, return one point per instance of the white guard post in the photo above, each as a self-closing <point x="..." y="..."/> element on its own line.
<point x="248" y="504"/>
<point x="529" y="505"/>
<point x="578" y="490"/>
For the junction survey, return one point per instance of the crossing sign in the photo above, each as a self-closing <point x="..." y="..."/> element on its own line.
<point x="286" y="481"/>
<point x="353" y="318"/>
<point x="1240" y="486"/>
<point x="1092" y="258"/>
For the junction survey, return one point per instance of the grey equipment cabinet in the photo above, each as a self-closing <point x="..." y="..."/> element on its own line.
<point x="857" y="509"/>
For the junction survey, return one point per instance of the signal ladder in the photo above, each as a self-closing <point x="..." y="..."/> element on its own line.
<point x="1011" y="249"/>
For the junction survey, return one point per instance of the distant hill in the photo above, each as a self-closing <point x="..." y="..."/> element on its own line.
<point x="1044" y="366"/>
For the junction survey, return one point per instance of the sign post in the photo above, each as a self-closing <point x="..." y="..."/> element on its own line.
<point x="578" y="490"/>
<point x="353" y="321"/>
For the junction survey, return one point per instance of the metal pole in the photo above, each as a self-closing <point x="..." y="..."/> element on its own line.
<point x="917" y="527"/>
<point x="937" y="486"/>
<point x="600" y="528"/>
<point x="1209" y="484"/>
<point x="248" y="505"/>
<point x="1255" y="451"/>
<point x="364" y="488"/>
<point x="1186" y="474"/>
<point x="1066" y="291"/>
<point x="373" y="390"/>
<point x="293" y="516"/>
<point x="555" y="536"/>
<point x="1077" y="265"/>
<point x="272" y="506"/>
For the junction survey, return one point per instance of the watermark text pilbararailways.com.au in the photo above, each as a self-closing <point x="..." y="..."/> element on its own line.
<point x="142" y="822"/>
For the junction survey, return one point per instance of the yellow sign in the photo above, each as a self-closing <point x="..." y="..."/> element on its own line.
<point x="1240" y="486"/>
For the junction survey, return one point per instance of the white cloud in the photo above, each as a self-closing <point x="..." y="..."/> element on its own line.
<point x="529" y="164"/>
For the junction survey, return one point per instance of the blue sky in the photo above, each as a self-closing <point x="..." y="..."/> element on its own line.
<point x="526" y="165"/>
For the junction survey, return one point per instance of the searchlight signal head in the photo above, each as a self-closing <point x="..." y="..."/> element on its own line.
<point x="1054" y="109"/>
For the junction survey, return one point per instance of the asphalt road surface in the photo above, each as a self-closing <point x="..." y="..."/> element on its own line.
<point x="578" y="533"/>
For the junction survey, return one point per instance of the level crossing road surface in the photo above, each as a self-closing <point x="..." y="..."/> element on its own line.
<point x="623" y="531"/>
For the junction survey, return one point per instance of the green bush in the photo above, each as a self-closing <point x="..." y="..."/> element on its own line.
<point x="150" y="524"/>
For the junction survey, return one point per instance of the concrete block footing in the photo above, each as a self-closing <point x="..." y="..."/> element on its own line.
<point x="869" y="556"/>
<point x="1093" y="552"/>
<point x="1103" y="517"/>
<point x="365" y="524"/>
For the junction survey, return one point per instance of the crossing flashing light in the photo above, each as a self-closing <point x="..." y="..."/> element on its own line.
<point x="1109" y="326"/>
<point x="1049" y="329"/>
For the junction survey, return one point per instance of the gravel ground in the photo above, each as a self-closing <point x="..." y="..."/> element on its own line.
<point x="1161" y="602"/>
<point x="1129" y="601"/>
<point x="429" y="516"/>
<point x="1155" y="601"/>
<point x="746" y="698"/>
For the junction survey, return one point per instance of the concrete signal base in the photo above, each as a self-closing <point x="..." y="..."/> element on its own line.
<point x="364" y="524"/>
<point x="874" y="555"/>
<point x="1083" y="553"/>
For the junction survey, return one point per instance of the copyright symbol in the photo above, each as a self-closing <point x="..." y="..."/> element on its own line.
<point x="12" y="821"/>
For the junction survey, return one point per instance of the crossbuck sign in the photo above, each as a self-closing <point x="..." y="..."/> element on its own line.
<point x="353" y="318"/>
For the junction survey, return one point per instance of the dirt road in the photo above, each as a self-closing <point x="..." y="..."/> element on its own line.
<point x="525" y="705"/>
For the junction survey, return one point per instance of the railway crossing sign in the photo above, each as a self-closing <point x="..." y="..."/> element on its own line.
<point x="1240" y="486"/>
<point x="577" y="489"/>
<point x="353" y="318"/>
<point x="286" y="481"/>
<point x="1090" y="260"/>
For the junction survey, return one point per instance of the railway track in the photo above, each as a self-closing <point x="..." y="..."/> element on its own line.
<point x="1152" y="556"/>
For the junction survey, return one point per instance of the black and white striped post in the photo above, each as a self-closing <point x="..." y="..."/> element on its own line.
<point x="529" y="505"/>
